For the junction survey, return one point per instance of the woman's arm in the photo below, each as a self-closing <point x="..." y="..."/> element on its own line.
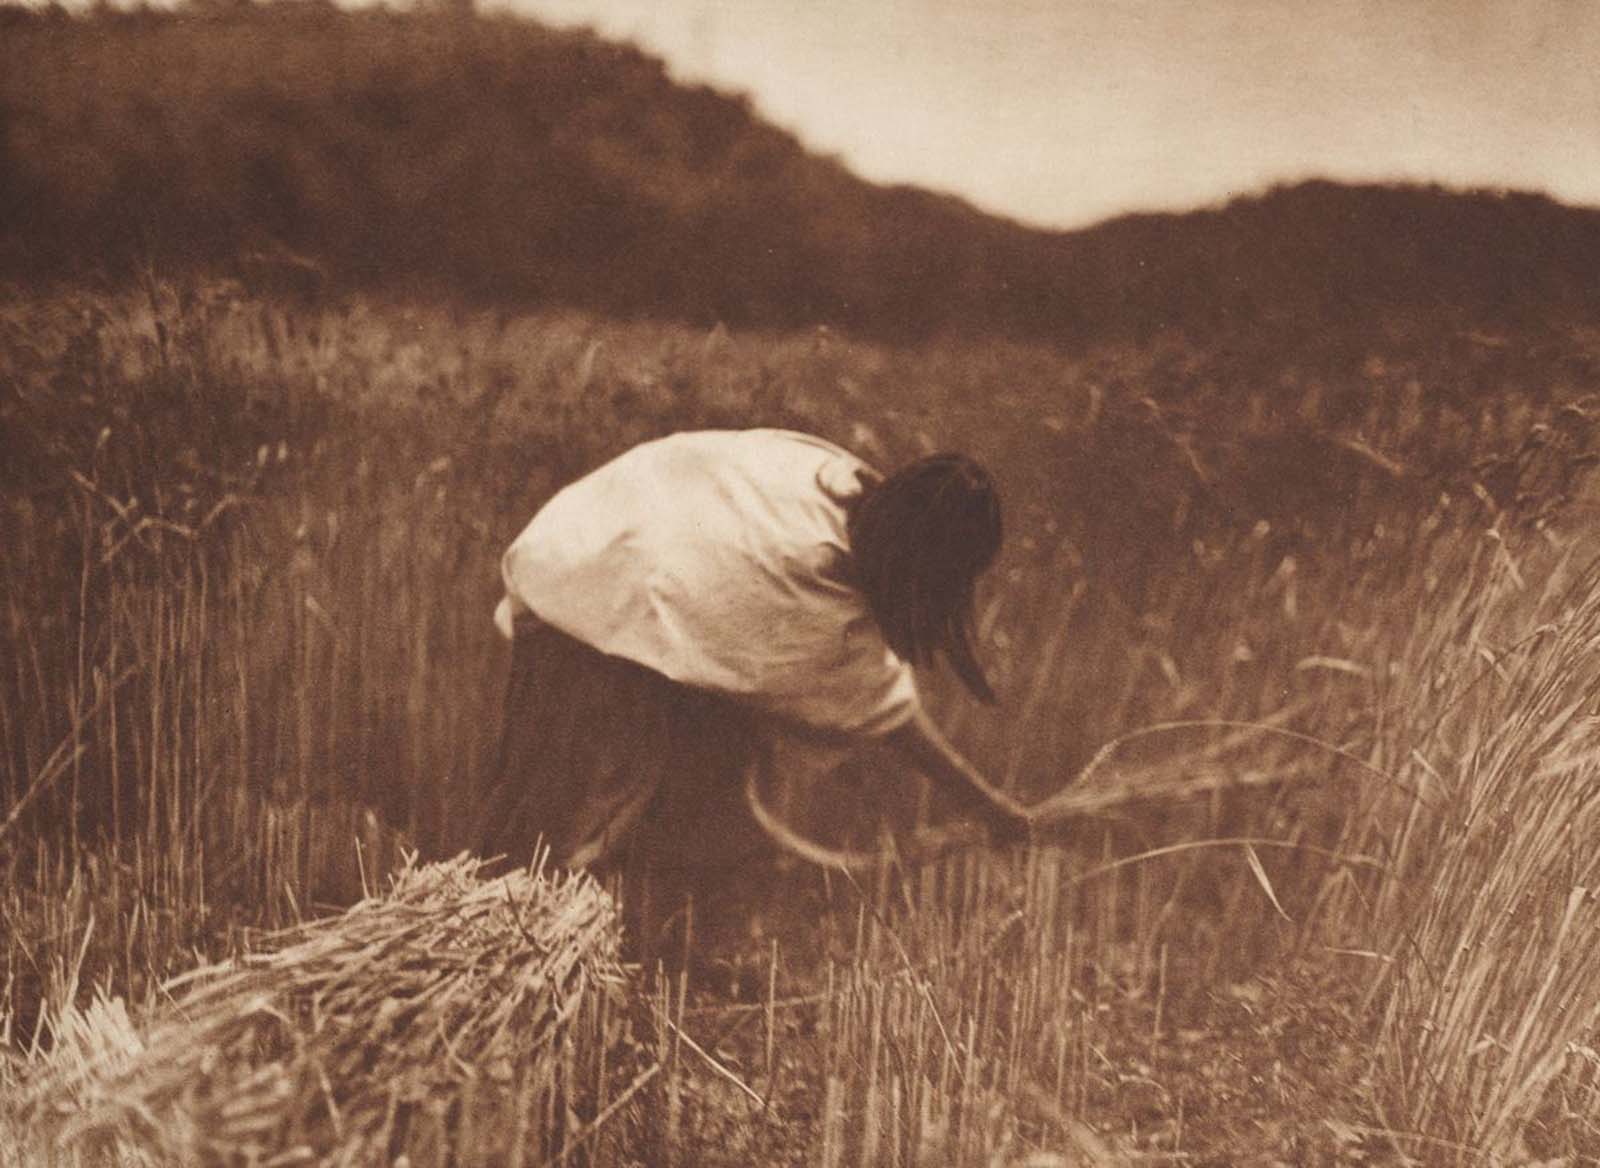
<point x="921" y="743"/>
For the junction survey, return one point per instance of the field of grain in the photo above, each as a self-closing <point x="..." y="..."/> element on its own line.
<point x="247" y="658"/>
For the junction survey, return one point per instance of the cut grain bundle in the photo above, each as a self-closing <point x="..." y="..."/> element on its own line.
<point x="441" y="1019"/>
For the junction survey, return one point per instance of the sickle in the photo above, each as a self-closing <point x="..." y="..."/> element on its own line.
<point x="924" y="845"/>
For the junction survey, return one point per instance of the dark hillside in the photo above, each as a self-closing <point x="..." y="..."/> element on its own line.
<point x="500" y="160"/>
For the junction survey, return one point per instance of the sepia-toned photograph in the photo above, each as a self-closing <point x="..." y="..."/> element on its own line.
<point x="854" y="583"/>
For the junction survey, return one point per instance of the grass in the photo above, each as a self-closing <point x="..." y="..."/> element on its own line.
<point x="1492" y="995"/>
<point x="248" y="655"/>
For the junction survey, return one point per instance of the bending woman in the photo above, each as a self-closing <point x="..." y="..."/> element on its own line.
<point x="674" y="611"/>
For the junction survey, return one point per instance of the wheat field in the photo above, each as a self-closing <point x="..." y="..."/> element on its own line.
<point x="248" y="664"/>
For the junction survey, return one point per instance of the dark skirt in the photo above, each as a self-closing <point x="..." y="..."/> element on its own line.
<point x="610" y="765"/>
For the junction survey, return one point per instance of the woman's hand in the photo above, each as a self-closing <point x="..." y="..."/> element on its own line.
<point x="1007" y="821"/>
<point x="1010" y="827"/>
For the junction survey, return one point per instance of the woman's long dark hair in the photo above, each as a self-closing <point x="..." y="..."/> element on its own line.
<point x="919" y="540"/>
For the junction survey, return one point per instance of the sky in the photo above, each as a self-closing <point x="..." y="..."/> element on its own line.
<point x="1062" y="113"/>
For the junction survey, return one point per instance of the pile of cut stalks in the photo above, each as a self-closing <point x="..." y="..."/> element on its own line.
<point x="443" y="1020"/>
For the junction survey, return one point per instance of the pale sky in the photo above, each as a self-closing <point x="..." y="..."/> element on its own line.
<point x="1065" y="112"/>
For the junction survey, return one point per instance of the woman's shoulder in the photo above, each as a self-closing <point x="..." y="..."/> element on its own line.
<point x="813" y="441"/>
<point x="777" y="460"/>
<point x="769" y="438"/>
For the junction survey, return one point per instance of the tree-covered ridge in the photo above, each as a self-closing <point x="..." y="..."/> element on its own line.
<point x="502" y="160"/>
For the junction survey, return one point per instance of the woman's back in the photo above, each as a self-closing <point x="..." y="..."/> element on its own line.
<point x="720" y="560"/>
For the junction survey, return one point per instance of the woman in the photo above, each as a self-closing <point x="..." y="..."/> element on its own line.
<point x="677" y="609"/>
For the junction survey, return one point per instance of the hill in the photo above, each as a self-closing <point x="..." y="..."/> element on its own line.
<point x="500" y="160"/>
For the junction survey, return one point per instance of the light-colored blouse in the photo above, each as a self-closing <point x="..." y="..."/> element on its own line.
<point x="719" y="559"/>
